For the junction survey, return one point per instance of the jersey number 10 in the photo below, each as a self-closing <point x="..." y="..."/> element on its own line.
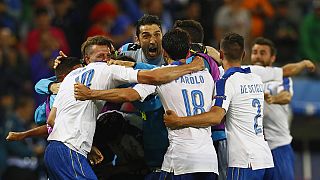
<point x="86" y="77"/>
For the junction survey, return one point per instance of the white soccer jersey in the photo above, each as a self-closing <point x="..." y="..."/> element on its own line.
<point x="191" y="149"/>
<point x="276" y="116"/>
<point x="240" y="93"/>
<point x="76" y="120"/>
<point x="266" y="73"/>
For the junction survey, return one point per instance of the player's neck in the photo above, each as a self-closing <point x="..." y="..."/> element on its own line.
<point x="227" y="64"/>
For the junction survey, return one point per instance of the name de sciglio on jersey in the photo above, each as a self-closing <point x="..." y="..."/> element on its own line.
<point x="251" y="88"/>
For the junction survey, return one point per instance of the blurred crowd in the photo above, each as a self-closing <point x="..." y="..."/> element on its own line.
<point x="33" y="31"/>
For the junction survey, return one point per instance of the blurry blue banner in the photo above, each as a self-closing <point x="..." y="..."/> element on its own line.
<point x="306" y="98"/>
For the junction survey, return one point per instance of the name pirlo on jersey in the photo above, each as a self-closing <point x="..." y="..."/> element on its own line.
<point x="251" y="88"/>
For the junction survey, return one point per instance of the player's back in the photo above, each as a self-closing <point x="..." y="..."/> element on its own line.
<point x="265" y="73"/>
<point x="89" y="76"/>
<point x="189" y="95"/>
<point x="244" y="116"/>
<point x="75" y="120"/>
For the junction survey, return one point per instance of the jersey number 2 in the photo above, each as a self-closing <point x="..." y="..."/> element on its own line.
<point x="256" y="103"/>
<point x="197" y="103"/>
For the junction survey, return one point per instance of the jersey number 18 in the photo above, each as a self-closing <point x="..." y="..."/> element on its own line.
<point x="196" y="101"/>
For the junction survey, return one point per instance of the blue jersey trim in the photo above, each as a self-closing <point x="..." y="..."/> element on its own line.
<point x="233" y="70"/>
<point x="220" y="85"/>
<point x="286" y="84"/>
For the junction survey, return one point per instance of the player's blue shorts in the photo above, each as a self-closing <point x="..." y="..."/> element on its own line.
<point x="283" y="159"/>
<point x="64" y="163"/>
<point x="246" y="173"/>
<point x="190" y="176"/>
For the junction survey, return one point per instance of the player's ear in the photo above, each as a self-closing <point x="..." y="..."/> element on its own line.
<point x="243" y="55"/>
<point x="273" y="59"/>
<point x="86" y="60"/>
<point x="221" y="55"/>
<point x="136" y="40"/>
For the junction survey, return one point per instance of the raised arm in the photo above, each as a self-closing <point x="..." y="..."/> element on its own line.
<point x="213" y="117"/>
<point x="283" y="95"/>
<point x="135" y="65"/>
<point x="168" y="74"/>
<point x="293" y="69"/>
<point x="214" y="53"/>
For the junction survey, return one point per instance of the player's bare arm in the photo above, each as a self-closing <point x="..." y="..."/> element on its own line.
<point x="214" y="53"/>
<point x="116" y="95"/>
<point x="168" y="74"/>
<point x="15" y="136"/>
<point x="157" y="76"/>
<point x="163" y="75"/>
<point x="213" y="117"/>
<point x="52" y="116"/>
<point x="293" y="69"/>
<point x="34" y="132"/>
<point x="121" y="63"/>
<point x="284" y="97"/>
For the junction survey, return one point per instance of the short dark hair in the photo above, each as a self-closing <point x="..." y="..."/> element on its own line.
<point x="95" y="40"/>
<point x="147" y="20"/>
<point x="232" y="46"/>
<point x="266" y="42"/>
<point x="176" y="43"/>
<point x="198" y="48"/>
<point x="66" y="65"/>
<point x="193" y="27"/>
<point x="109" y="126"/>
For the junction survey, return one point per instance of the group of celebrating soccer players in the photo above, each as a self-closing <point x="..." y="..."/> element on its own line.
<point x="204" y="115"/>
